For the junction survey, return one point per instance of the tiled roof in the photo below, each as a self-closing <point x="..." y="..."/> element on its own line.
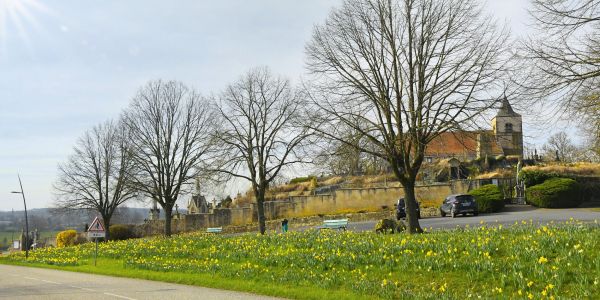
<point x="459" y="144"/>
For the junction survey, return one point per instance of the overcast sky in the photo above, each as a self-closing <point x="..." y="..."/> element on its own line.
<point x="68" y="65"/>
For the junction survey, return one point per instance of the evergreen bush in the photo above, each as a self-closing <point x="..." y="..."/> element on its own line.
<point x="489" y="198"/>
<point x="535" y="177"/>
<point x="556" y="193"/>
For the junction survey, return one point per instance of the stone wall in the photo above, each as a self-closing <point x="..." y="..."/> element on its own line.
<point x="341" y="201"/>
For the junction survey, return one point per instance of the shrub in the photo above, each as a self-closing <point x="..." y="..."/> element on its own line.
<point x="120" y="232"/>
<point x="66" y="238"/>
<point x="301" y="179"/>
<point x="555" y="193"/>
<point x="535" y="177"/>
<point x="489" y="198"/>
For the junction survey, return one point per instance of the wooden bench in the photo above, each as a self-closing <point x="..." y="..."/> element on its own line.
<point x="214" y="229"/>
<point x="335" y="224"/>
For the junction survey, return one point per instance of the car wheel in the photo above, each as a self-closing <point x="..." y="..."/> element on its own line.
<point x="476" y="213"/>
<point x="442" y="213"/>
<point x="453" y="214"/>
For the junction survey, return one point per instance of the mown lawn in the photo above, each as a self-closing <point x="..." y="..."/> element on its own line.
<point x="559" y="261"/>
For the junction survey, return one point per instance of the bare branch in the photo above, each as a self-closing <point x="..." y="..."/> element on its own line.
<point x="400" y="73"/>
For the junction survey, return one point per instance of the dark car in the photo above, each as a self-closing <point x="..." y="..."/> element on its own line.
<point x="401" y="209"/>
<point x="461" y="204"/>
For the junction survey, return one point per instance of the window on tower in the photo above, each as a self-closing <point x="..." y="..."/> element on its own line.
<point x="508" y="127"/>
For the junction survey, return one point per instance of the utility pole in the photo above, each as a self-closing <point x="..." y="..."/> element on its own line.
<point x="26" y="221"/>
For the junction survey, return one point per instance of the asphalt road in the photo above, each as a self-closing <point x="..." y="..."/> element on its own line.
<point x="511" y="214"/>
<point x="33" y="283"/>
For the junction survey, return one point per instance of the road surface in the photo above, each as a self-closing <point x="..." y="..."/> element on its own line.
<point x="511" y="214"/>
<point x="33" y="283"/>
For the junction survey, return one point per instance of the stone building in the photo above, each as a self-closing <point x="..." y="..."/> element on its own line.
<point x="505" y="138"/>
<point x="508" y="129"/>
<point x="197" y="205"/>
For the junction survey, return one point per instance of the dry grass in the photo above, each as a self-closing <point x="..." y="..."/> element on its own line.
<point x="380" y="178"/>
<point x="581" y="169"/>
<point x="500" y="173"/>
<point x="333" y="180"/>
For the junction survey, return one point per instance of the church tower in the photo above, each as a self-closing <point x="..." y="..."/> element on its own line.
<point x="507" y="126"/>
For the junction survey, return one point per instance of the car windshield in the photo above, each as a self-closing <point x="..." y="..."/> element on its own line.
<point x="464" y="198"/>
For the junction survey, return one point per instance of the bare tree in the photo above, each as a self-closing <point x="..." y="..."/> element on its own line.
<point x="260" y="134"/>
<point x="171" y="132"/>
<point x="565" y="55"/>
<point x="95" y="176"/>
<point x="560" y="147"/>
<point x="338" y="158"/>
<point x="401" y="73"/>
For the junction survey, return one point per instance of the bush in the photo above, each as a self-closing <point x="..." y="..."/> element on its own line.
<point x="535" y="177"/>
<point x="556" y="193"/>
<point x="301" y="179"/>
<point x="66" y="238"/>
<point x="121" y="232"/>
<point x="489" y="198"/>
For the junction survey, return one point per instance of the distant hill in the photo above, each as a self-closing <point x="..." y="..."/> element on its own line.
<point x="48" y="219"/>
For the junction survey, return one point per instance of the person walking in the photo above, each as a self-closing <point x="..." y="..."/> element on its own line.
<point x="284" y="225"/>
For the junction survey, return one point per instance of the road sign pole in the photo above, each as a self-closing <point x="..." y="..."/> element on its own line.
<point x="96" y="253"/>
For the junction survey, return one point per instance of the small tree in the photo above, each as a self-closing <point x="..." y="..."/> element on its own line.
<point x="96" y="175"/>
<point x="171" y="132"/>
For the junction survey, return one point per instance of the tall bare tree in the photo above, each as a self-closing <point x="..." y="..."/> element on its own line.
<point x="402" y="73"/>
<point x="260" y="131"/>
<point x="565" y="56"/>
<point x="95" y="176"/>
<point x="171" y="131"/>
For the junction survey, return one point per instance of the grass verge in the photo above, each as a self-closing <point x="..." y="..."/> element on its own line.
<point x="518" y="262"/>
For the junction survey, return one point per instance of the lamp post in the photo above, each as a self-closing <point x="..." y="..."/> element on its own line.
<point x="26" y="222"/>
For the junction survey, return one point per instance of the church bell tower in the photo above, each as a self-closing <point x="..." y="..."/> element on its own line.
<point x="507" y="126"/>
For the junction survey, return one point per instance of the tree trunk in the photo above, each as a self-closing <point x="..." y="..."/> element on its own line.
<point x="260" y="205"/>
<point x="168" y="216"/>
<point x="411" y="207"/>
<point x="106" y="221"/>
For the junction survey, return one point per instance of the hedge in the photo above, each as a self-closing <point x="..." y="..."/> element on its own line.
<point x="556" y="193"/>
<point x="489" y="198"/>
<point x="121" y="232"/>
<point x="535" y="177"/>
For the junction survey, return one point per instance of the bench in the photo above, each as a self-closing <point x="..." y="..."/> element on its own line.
<point x="335" y="224"/>
<point x="214" y="229"/>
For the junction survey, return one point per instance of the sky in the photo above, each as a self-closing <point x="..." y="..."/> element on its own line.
<point x="66" y="66"/>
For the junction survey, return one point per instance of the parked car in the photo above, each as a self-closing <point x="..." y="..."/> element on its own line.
<point x="459" y="204"/>
<point x="401" y="209"/>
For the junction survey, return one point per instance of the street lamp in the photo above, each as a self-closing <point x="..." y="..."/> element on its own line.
<point x="26" y="222"/>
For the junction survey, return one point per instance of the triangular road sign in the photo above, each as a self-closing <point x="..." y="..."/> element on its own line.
<point x="96" y="226"/>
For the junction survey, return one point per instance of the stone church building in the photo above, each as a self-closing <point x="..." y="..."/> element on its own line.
<point x="505" y="138"/>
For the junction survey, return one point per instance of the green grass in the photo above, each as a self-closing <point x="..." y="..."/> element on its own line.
<point x="490" y="262"/>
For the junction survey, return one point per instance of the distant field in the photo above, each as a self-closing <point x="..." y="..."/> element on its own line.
<point x="516" y="262"/>
<point x="17" y="234"/>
